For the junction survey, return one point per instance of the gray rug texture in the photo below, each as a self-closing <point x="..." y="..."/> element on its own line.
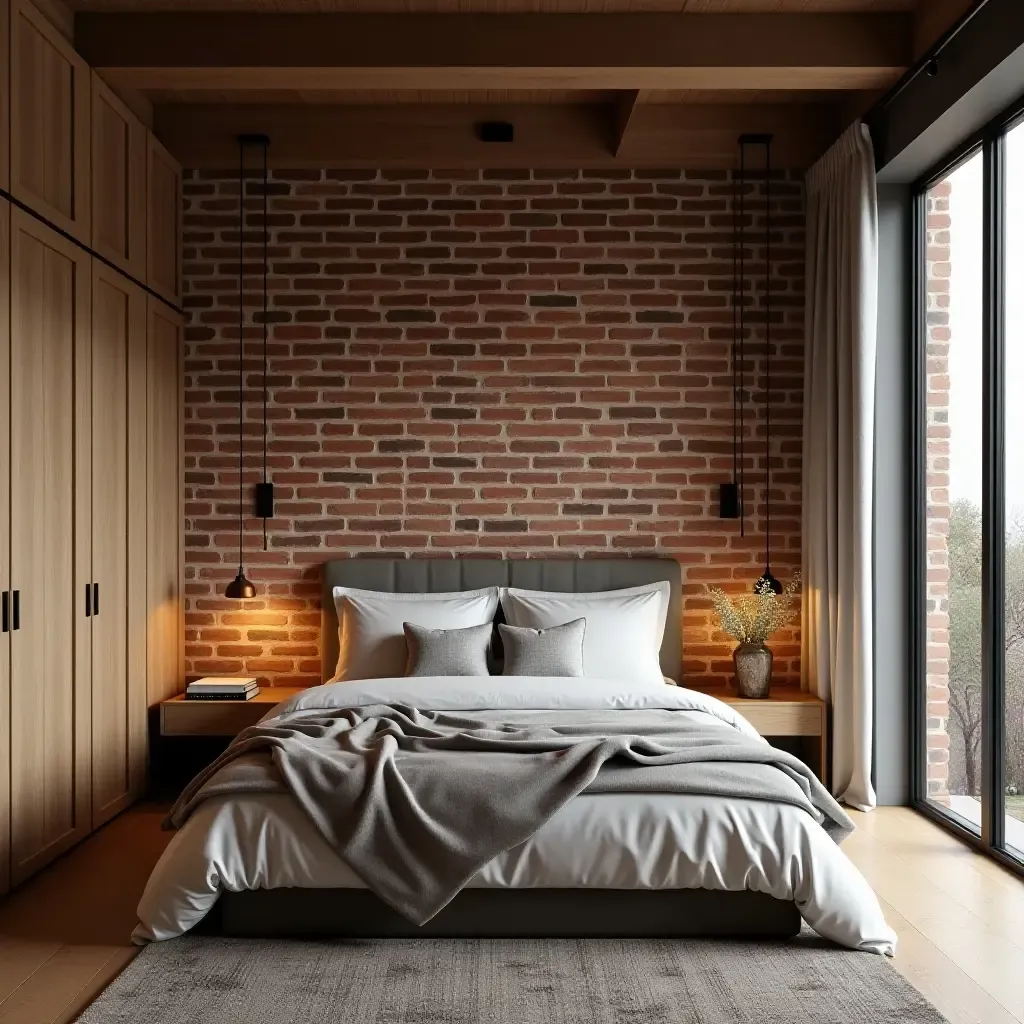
<point x="507" y="981"/>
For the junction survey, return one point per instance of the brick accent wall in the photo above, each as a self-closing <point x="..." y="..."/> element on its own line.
<point x="938" y="271"/>
<point x="522" y="364"/>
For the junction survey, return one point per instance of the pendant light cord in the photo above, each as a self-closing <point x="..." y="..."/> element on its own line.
<point x="266" y="233"/>
<point x="735" y="331"/>
<point x="768" y="354"/>
<point x="741" y="298"/>
<point x="241" y="327"/>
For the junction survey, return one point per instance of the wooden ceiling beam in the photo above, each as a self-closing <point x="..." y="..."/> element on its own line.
<point x="557" y="135"/>
<point x="216" y="50"/>
<point x="663" y="135"/>
<point x="934" y="18"/>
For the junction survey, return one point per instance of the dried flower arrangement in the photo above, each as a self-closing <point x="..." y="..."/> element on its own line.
<point x="752" y="618"/>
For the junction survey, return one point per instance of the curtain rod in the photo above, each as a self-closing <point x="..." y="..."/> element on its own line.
<point x="928" y="63"/>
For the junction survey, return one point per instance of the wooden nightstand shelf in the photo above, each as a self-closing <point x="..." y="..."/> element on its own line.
<point x="180" y="717"/>
<point x="785" y="713"/>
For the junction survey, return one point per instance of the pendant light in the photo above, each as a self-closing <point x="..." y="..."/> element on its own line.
<point x="730" y="495"/>
<point x="767" y="580"/>
<point x="264" y="489"/>
<point x="240" y="588"/>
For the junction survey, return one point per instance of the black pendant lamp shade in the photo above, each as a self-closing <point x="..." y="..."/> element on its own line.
<point x="767" y="580"/>
<point x="241" y="587"/>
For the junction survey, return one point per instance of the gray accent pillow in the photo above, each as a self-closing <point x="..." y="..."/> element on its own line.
<point x="555" y="651"/>
<point x="448" y="652"/>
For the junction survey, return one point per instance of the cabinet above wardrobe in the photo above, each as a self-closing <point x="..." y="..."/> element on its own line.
<point x="51" y="93"/>
<point x="74" y="154"/>
<point x="120" y="148"/>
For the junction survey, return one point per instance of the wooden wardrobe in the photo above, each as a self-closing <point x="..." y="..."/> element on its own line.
<point x="50" y="299"/>
<point x="115" y="472"/>
<point x="90" y="446"/>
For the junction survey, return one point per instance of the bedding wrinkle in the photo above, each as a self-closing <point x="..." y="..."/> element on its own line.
<point x="510" y="783"/>
<point x="400" y="823"/>
<point x="699" y="835"/>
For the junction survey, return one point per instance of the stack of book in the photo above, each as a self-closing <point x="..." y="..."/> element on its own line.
<point x="222" y="688"/>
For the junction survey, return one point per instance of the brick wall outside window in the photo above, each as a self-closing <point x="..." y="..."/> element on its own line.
<point x="520" y="364"/>
<point x="938" y="269"/>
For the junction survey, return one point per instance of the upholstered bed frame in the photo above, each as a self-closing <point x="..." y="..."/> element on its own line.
<point x="561" y="575"/>
<point x="507" y="912"/>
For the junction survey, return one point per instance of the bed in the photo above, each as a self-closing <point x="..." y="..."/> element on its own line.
<point x="606" y="863"/>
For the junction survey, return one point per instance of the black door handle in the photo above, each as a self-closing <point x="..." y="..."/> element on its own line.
<point x="88" y="600"/>
<point x="16" y="610"/>
<point x="95" y="599"/>
<point x="5" y="612"/>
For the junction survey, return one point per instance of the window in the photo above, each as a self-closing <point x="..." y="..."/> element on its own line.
<point x="953" y="488"/>
<point x="969" y="493"/>
<point x="1013" y="476"/>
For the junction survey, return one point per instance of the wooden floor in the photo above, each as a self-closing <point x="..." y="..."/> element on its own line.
<point x="65" y="933"/>
<point x="959" y="916"/>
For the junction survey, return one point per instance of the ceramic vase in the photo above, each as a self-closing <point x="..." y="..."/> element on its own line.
<point x="753" y="664"/>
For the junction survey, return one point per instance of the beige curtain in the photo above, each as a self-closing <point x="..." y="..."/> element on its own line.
<point x="839" y="386"/>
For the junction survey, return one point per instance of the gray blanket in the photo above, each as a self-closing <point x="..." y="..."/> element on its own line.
<point x="417" y="802"/>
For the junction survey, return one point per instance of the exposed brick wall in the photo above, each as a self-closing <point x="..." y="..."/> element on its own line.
<point x="524" y="364"/>
<point x="938" y="271"/>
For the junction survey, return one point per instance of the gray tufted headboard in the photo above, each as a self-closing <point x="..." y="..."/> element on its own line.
<point x="566" y="575"/>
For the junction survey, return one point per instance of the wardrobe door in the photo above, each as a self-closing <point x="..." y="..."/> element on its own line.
<point x="166" y="631"/>
<point x="49" y="674"/>
<point x="5" y="534"/>
<point x="117" y="594"/>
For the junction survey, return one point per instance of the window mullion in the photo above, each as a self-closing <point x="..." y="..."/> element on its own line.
<point x="993" y="518"/>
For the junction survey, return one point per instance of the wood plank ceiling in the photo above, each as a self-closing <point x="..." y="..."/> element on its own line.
<point x="597" y="83"/>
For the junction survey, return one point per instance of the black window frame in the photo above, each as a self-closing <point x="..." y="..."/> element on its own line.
<point x="990" y="142"/>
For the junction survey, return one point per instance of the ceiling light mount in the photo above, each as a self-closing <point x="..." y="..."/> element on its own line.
<point x="252" y="139"/>
<point x="495" y="131"/>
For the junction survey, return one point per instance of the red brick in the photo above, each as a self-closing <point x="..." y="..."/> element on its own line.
<point x="421" y="404"/>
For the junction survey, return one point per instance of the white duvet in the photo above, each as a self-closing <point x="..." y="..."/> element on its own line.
<point x="603" y="841"/>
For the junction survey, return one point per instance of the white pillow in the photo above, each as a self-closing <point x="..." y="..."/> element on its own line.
<point x="372" y="636"/>
<point x="624" y="627"/>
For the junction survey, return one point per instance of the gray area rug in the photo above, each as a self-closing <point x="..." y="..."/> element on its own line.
<point x="507" y="981"/>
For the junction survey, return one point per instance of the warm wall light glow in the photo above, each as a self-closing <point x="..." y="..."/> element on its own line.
<point x="165" y="628"/>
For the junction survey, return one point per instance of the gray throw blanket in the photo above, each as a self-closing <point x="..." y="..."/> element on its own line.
<point x="416" y="802"/>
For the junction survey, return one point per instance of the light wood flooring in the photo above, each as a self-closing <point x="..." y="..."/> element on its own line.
<point x="64" y="934"/>
<point x="959" y="916"/>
